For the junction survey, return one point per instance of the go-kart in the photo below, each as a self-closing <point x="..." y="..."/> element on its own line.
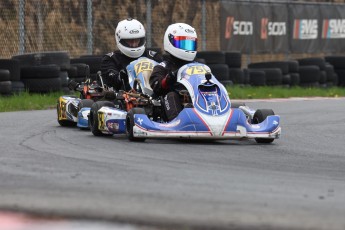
<point x="108" y="117"/>
<point x="73" y="110"/>
<point x="207" y="113"/>
<point x="210" y="115"/>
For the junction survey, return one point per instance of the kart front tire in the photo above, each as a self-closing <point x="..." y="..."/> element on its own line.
<point x="93" y="117"/>
<point x="259" y="116"/>
<point x="130" y="124"/>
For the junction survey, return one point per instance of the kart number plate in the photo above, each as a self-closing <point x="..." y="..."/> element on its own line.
<point x="197" y="69"/>
<point x="143" y="66"/>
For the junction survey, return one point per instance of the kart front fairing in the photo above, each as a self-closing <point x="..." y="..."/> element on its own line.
<point x="211" y="116"/>
<point x="68" y="106"/>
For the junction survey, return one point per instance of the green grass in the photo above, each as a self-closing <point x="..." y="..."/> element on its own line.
<point x="237" y="92"/>
<point x="28" y="101"/>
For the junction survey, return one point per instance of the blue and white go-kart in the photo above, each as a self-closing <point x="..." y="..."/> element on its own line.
<point x="208" y="115"/>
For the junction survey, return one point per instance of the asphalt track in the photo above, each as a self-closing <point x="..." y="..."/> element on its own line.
<point x="297" y="182"/>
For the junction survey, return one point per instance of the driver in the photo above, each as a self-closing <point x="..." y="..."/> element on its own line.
<point x="180" y="44"/>
<point x="130" y="41"/>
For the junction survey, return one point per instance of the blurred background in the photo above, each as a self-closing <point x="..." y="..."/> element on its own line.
<point x="87" y="27"/>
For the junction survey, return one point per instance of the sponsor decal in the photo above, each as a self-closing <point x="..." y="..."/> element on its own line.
<point x="189" y="31"/>
<point x="172" y="124"/>
<point x="112" y="125"/>
<point x="269" y="28"/>
<point x="239" y="28"/>
<point x="134" y="31"/>
<point x="333" y="28"/>
<point x="275" y="122"/>
<point x="140" y="121"/>
<point x="305" y="29"/>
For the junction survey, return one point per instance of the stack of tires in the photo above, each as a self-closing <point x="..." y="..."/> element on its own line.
<point x="312" y="72"/>
<point x="276" y="73"/>
<point x="216" y="61"/>
<point x="234" y="62"/>
<point x="338" y="63"/>
<point x="92" y="61"/>
<point x="10" y="77"/>
<point x="45" y="71"/>
<point x="78" y="72"/>
<point x="294" y="72"/>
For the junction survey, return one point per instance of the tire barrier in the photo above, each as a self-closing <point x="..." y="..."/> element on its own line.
<point x="51" y="71"/>
<point x="316" y="61"/>
<point x="59" y="58"/>
<point x="338" y="63"/>
<point x="5" y="83"/>
<point x="78" y="72"/>
<point x="5" y="87"/>
<point x="309" y="76"/>
<point x="41" y="79"/>
<point x="220" y="71"/>
<point x="233" y="59"/>
<point x="212" y="57"/>
<point x="18" y="87"/>
<point x="236" y="75"/>
<point x="13" y="66"/>
<point x="93" y="61"/>
<point x="332" y="77"/>
<point x="257" y="77"/>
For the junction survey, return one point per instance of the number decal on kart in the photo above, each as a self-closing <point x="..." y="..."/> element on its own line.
<point x="62" y="111"/>
<point x="143" y="66"/>
<point x="101" y="121"/>
<point x="197" y="69"/>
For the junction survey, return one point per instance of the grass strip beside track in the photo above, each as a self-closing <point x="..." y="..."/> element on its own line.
<point x="30" y="101"/>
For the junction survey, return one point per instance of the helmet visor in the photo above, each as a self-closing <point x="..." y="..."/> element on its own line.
<point x="133" y="42"/>
<point x="184" y="42"/>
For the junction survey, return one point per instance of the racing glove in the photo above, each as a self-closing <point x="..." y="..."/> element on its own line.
<point x="171" y="78"/>
<point x="123" y="77"/>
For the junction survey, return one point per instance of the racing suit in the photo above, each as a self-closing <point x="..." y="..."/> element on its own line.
<point x="113" y="68"/>
<point x="163" y="83"/>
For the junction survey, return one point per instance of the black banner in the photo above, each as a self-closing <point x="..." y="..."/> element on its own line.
<point x="304" y="37"/>
<point x="333" y="29"/>
<point x="237" y="27"/>
<point x="282" y="27"/>
<point x="270" y="28"/>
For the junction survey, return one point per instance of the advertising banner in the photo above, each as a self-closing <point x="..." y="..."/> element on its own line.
<point x="254" y="28"/>
<point x="304" y="27"/>
<point x="237" y="27"/>
<point x="333" y="28"/>
<point x="270" y="28"/>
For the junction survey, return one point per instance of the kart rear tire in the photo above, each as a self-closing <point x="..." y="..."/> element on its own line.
<point x="63" y="123"/>
<point x="130" y="124"/>
<point x="85" y="103"/>
<point x="93" y="117"/>
<point x="259" y="116"/>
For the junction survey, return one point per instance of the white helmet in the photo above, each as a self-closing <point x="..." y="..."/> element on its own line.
<point x="129" y="31"/>
<point x="180" y="40"/>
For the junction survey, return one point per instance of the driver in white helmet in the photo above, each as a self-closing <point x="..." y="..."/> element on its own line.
<point x="130" y="41"/>
<point x="180" y="44"/>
